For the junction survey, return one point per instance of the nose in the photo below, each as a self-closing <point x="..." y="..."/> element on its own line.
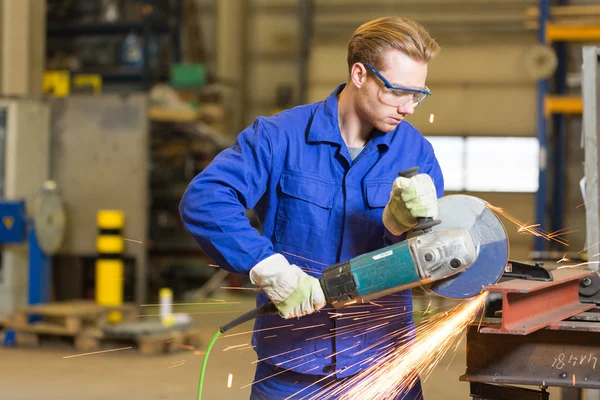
<point x="407" y="109"/>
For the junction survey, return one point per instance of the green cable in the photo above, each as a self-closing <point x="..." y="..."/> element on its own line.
<point x="205" y="361"/>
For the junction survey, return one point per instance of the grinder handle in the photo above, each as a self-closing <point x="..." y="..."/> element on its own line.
<point x="423" y="223"/>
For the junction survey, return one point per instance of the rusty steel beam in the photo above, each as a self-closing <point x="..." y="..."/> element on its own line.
<point x="548" y="357"/>
<point x="528" y="306"/>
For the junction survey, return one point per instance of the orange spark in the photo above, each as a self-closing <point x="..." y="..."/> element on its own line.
<point x="579" y="265"/>
<point x="564" y="258"/>
<point x="400" y="366"/>
<point x="222" y="302"/>
<point x="275" y="374"/>
<point x="187" y="347"/>
<point x="229" y="380"/>
<point x="307" y="327"/>
<point x="133" y="240"/>
<point x="341" y="351"/>
<point x="98" y="352"/>
<point x="236" y="346"/>
<point x="193" y="313"/>
<point x="589" y="247"/>
<point x="528" y="228"/>
<point x="276" y="355"/>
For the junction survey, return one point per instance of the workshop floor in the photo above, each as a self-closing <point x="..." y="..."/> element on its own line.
<point x="45" y="374"/>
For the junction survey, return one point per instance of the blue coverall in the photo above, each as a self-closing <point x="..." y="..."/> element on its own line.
<point x="317" y="207"/>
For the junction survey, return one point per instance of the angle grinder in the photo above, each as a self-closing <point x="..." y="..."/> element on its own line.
<point x="454" y="257"/>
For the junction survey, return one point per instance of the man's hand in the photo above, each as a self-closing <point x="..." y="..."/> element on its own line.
<point x="294" y="292"/>
<point x="411" y="198"/>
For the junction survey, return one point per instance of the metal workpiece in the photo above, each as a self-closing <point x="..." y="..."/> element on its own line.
<point x="486" y="231"/>
<point x="528" y="306"/>
<point x="554" y="356"/>
<point x="444" y="253"/>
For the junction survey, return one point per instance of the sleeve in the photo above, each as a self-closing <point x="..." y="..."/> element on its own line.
<point x="432" y="168"/>
<point x="213" y="207"/>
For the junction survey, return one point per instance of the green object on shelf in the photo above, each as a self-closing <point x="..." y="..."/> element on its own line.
<point x="188" y="75"/>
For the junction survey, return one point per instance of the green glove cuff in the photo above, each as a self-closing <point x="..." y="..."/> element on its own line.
<point x="298" y="296"/>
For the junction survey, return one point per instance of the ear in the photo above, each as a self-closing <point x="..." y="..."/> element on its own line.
<point x="358" y="75"/>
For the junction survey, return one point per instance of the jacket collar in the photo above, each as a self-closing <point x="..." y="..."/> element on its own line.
<point x="324" y="126"/>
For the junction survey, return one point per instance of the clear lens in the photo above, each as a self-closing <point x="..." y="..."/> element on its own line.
<point x="398" y="98"/>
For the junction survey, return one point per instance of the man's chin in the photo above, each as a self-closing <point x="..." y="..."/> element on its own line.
<point x="387" y="126"/>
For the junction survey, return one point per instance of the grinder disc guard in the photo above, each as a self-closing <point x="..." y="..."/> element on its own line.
<point x="489" y="235"/>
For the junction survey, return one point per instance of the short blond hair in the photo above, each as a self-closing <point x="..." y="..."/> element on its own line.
<point x="370" y="40"/>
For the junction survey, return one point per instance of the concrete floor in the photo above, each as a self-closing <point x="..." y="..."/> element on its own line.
<point x="44" y="373"/>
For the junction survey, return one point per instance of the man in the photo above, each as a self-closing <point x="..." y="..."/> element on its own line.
<point x="319" y="178"/>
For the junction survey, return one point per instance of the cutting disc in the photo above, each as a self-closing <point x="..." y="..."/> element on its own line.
<point x="489" y="235"/>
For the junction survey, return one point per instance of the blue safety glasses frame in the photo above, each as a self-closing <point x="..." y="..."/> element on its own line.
<point x="424" y="92"/>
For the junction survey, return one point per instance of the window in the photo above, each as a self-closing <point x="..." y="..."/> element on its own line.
<point x="488" y="164"/>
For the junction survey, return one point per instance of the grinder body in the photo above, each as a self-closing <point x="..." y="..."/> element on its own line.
<point x="414" y="262"/>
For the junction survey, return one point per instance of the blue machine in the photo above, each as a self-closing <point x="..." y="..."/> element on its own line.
<point x="43" y="233"/>
<point x="16" y="228"/>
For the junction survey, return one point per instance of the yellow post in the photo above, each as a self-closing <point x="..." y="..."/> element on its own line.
<point x="165" y="296"/>
<point x="109" y="264"/>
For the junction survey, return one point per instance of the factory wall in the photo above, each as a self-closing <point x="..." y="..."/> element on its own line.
<point x="480" y="81"/>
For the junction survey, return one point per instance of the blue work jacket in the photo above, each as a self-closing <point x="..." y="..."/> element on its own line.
<point x="316" y="207"/>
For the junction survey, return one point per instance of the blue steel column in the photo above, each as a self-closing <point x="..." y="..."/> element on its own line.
<point x="39" y="271"/>
<point x="542" y="91"/>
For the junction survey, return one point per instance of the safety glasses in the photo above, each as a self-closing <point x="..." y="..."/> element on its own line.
<point x="398" y="96"/>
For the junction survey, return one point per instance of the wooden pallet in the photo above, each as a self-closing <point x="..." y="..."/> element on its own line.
<point x="67" y="318"/>
<point x="150" y="344"/>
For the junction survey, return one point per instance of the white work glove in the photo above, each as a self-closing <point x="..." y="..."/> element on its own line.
<point x="294" y="292"/>
<point x="410" y="199"/>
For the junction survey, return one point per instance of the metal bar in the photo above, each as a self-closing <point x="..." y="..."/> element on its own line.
<point x="486" y="391"/>
<point x="591" y="133"/>
<point x="548" y="357"/>
<point x="542" y="91"/>
<point x="528" y="306"/>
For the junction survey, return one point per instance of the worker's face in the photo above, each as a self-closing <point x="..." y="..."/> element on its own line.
<point x="400" y="70"/>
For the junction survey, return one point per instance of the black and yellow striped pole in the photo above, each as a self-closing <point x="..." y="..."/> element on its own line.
<point x="109" y="263"/>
